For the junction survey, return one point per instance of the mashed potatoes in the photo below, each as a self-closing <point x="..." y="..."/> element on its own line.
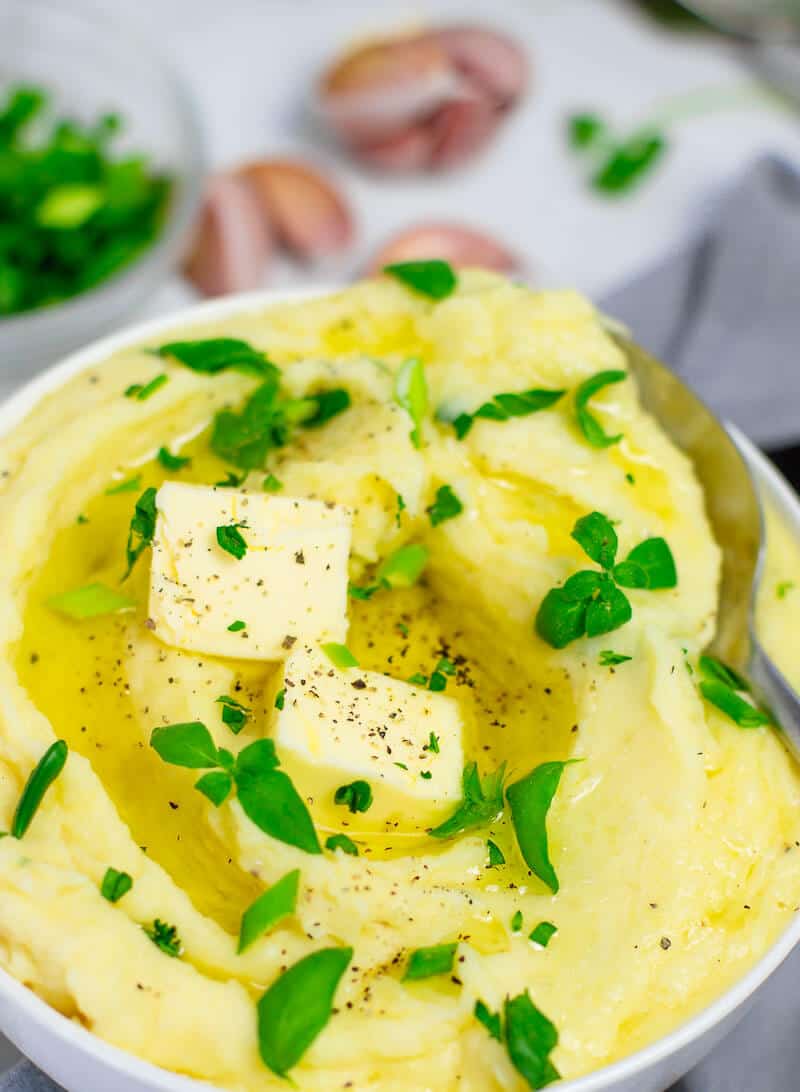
<point x="674" y="838"/>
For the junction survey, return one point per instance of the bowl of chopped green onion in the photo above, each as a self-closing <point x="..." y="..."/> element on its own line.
<point x="101" y="170"/>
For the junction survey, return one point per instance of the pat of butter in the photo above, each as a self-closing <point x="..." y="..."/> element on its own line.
<point x="290" y="586"/>
<point x="339" y="726"/>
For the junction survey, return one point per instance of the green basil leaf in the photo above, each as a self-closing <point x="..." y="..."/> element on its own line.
<point x="543" y="933"/>
<point x="270" y="800"/>
<point x="582" y="585"/>
<point x="561" y="619"/>
<point x="608" y="611"/>
<point x="328" y="404"/>
<point x="655" y="558"/>
<point x="246" y="437"/>
<point x="411" y="393"/>
<point x="340" y="655"/>
<point x="170" y="461"/>
<point x="217" y="354"/>
<point x="482" y="802"/>
<point x="433" y="278"/>
<point x="234" y="714"/>
<point x="357" y="796"/>
<point x="427" y="962"/>
<point x="115" y="884"/>
<point x="530" y="799"/>
<point x="229" y="539"/>
<point x="90" y="601"/>
<point x="189" y="745"/>
<point x="276" y="903"/>
<point x="216" y="786"/>
<point x="341" y="841"/>
<point x="630" y="575"/>
<point x="297" y="1006"/>
<point x="142" y="528"/>
<point x="530" y="1039"/>
<point x="41" y="778"/>
<point x="489" y="1019"/>
<point x="589" y="425"/>
<point x="446" y="506"/>
<point x="404" y="567"/>
<point x="733" y="704"/>
<point x="597" y="538"/>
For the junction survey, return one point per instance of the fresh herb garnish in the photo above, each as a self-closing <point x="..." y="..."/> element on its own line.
<point x="231" y="480"/>
<point x="587" y="422"/>
<point x="543" y="933"/>
<point x="404" y="567"/>
<point x="271" y="484"/>
<point x="230" y="539"/>
<point x="142" y="528"/>
<point x="340" y="655"/>
<point x="502" y="407"/>
<point x="90" y="601"/>
<point x="725" y="688"/>
<point x="234" y="714"/>
<point x="433" y="278"/>
<point x="215" y="786"/>
<point x="357" y="796"/>
<point x="482" y="801"/>
<point x="411" y="393"/>
<point x="490" y="1020"/>
<point x="341" y="841"/>
<point x="276" y="903"/>
<point x="170" y="461"/>
<point x="41" y="778"/>
<point x="129" y="485"/>
<point x="115" y="884"/>
<point x="611" y="659"/>
<point x="280" y="698"/>
<point x="165" y="937"/>
<point x="617" y="164"/>
<point x="530" y="1039"/>
<point x="583" y="129"/>
<point x="590" y="602"/>
<point x="266" y="794"/>
<point x="438" y="678"/>
<point x="297" y="1006"/>
<point x="217" y="354"/>
<point x="328" y="404"/>
<point x="141" y="392"/>
<point x="516" y="921"/>
<point x="237" y="626"/>
<point x="427" y="962"/>
<point x="783" y="588"/>
<point x="496" y="855"/>
<point x="433" y="744"/>
<point x="446" y="506"/>
<point x="530" y="799"/>
<point x="401" y="507"/>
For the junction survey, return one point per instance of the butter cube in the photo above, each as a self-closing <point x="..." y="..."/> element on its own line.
<point x="290" y="586"/>
<point x="337" y="726"/>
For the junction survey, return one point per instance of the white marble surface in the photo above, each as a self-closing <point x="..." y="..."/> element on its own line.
<point x="250" y="63"/>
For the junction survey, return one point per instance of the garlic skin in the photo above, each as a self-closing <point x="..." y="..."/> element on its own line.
<point x="232" y="242"/>
<point x="428" y="101"/>
<point x="457" y="244"/>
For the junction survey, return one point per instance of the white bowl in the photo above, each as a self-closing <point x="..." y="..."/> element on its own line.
<point x="81" y="1062"/>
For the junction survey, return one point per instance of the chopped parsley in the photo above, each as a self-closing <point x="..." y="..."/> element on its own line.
<point x="357" y="796"/>
<point x="516" y="921"/>
<point x="612" y="659"/>
<point x="783" y="589"/>
<point x="434" y="279"/>
<point x="496" y="857"/>
<point x="616" y="165"/>
<point x="271" y="484"/>
<point x="529" y="800"/>
<point x="433" y="744"/>
<point x="427" y="962"/>
<point x="297" y="1006"/>
<point x="502" y="407"/>
<point x="438" y="677"/>
<point x="328" y="404"/>
<point x="280" y="698"/>
<point x="591" y="428"/>
<point x="90" y="601"/>
<point x="217" y="354"/>
<point x="39" y="781"/>
<point x="231" y="480"/>
<point x="234" y="714"/>
<point x="165" y="937"/>
<point x="115" y="884"/>
<point x="229" y="538"/>
<point x="490" y="1020"/>
<point x="237" y="626"/>
<point x="411" y="393"/>
<point x="142" y="528"/>
<point x="404" y="567"/>
<point x="129" y="485"/>
<point x="341" y="841"/>
<point x="170" y="461"/>
<point x="543" y="933"/>
<point x="482" y="801"/>
<point x="141" y="392"/>
<point x="446" y="506"/>
<point x="730" y="692"/>
<point x="276" y="903"/>
<point x="340" y="655"/>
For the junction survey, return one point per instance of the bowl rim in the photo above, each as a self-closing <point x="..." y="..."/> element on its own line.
<point x="186" y="194"/>
<point x="49" y="1021"/>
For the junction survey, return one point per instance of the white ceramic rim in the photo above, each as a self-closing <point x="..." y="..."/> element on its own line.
<point x="53" y="1023"/>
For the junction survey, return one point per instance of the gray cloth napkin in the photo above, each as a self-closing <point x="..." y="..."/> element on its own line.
<point x="724" y="311"/>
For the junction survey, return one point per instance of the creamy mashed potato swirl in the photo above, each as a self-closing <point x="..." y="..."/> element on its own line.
<point x="675" y="838"/>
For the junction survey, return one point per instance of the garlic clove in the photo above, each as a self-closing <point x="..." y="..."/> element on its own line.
<point x="491" y="60"/>
<point x="460" y="130"/>
<point x="408" y="150"/>
<point x="232" y="242"/>
<point x="306" y="212"/>
<point x="461" y="246"/>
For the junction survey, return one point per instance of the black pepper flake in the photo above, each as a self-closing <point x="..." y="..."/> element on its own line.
<point x="173" y="805"/>
<point x="359" y="684"/>
<point x="665" y="943"/>
<point x="288" y="641"/>
<point x="34" y="657"/>
<point x="300" y="557"/>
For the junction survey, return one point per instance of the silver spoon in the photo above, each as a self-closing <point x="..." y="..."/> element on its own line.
<point x="734" y="510"/>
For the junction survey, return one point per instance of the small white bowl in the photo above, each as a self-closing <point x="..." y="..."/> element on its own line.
<point x="81" y="1062"/>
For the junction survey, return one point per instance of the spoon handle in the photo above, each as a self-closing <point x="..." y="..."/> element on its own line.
<point x="777" y="694"/>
